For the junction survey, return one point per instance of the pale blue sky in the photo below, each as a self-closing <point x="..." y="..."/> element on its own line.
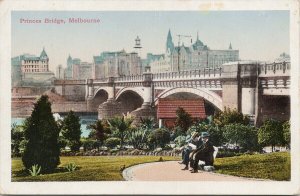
<point x="259" y="35"/>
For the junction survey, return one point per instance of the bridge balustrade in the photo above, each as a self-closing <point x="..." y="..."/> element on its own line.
<point x="274" y="69"/>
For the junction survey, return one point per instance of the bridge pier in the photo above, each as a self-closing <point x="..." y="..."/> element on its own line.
<point x="146" y="110"/>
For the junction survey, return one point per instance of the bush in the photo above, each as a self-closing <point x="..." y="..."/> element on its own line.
<point x="17" y="136"/>
<point x="180" y="141"/>
<point x="90" y="144"/>
<point x="183" y="119"/>
<point x="41" y="132"/>
<point x="71" y="131"/>
<point x="159" y="137"/>
<point x="229" y="116"/>
<point x="137" y="137"/>
<point x="112" y="142"/>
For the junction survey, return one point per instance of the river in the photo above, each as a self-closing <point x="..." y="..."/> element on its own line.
<point x="85" y="120"/>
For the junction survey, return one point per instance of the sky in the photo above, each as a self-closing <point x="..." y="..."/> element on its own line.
<point x="258" y="35"/>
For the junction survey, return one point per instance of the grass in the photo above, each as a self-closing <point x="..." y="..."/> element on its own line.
<point x="273" y="166"/>
<point x="90" y="168"/>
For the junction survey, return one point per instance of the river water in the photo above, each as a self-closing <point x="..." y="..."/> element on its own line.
<point x="85" y="120"/>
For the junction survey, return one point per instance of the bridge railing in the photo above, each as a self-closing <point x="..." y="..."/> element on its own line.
<point x="275" y="69"/>
<point x="69" y="82"/>
<point x="187" y="74"/>
<point x="129" y="78"/>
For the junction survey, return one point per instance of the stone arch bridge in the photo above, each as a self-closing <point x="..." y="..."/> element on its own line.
<point x="255" y="89"/>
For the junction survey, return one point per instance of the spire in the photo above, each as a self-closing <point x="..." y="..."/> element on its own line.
<point x="44" y="54"/>
<point x="197" y="36"/>
<point x="230" y="47"/>
<point x="169" y="44"/>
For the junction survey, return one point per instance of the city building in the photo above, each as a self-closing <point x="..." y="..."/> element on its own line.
<point x="28" y="68"/>
<point x="195" y="56"/>
<point x="60" y="72"/>
<point x="115" y="64"/>
<point x="77" y="69"/>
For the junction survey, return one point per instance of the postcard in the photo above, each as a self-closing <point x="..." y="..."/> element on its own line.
<point x="149" y="97"/>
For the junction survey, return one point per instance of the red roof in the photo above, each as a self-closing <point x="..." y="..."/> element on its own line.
<point x="167" y="108"/>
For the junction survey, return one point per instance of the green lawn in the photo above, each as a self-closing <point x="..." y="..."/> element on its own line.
<point x="91" y="168"/>
<point x="274" y="166"/>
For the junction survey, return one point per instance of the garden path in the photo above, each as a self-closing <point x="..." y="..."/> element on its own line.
<point x="171" y="171"/>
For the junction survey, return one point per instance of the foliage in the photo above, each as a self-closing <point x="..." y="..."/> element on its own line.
<point x="112" y="142"/>
<point x="41" y="132"/>
<point x="120" y="126"/>
<point x="273" y="166"/>
<point x="229" y="116"/>
<point x="180" y="141"/>
<point x="35" y="170"/>
<point x="158" y="138"/>
<point x="287" y="133"/>
<point x="71" y="167"/>
<point x="99" y="131"/>
<point x="62" y="142"/>
<point x="271" y="133"/>
<point x="71" y="131"/>
<point x="147" y="123"/>
<point x="137" y="137"/>
<point x="177" y="131"/>
<point x="227" y="153"/>
<point x="242" y="136"/>
<point x="90" y="144"/>
<point x="96" y="168"/>
<point x="17" y="136"/>
<point x="183" y="119"/>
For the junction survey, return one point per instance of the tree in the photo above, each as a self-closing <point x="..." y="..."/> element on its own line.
<point x="147" y="123"/>
<point x="17" y="136"/>
<point x="229" y="116"/>
<point x="100" y="130"/>
<point x="271" y="133"/>
<point x="137" y="137"/>
<point x="244" y="136"/>
<point x="119" y="127"/>
<point x="41" y="132"/>
<point x="183" y="120"/>
<point x="287" y="133"/>
<point x="71" y="131"/>
<point x="159" y="137"/>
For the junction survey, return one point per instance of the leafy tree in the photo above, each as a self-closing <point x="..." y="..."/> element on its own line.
<point x="241" y="135"/>
<point x="17" y="136"/>
<point x="229" y="116"/>
<point x="119" y="127"/>
<point x="271" y="133"/>
<point x="159" y="137"/>
<point x="100" y="130"/>
<point x="183" y="120"/>
<point x="41" y="132"/>
<point x="71" y="131"/>
<point x="287" y="133"/>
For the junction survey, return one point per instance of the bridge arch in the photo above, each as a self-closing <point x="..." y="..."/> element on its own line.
<point x="106" y="89"/>
<point x="138" y="91"/>
<point x="208" y="95"/>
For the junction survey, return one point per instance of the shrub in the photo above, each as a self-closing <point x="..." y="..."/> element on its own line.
<point x="180" y="141"/>
<point x="71" y="131"/>
<point x="41" y="133"/>
<point x="271" y="133"/>
<point x="159" y="137"/>
<point x="89" y="144"/>
<point x="229" y="116"/>
<point x="112" y="142"/>
<point x="287" y="133"/>
<point x="71" y="167"/>
<point x="99" y="131"/>
<point x="137" y="137"/>
<point x="35" y="170"/>
<point x="17" y="136"/>
<point x="120" y="126"/>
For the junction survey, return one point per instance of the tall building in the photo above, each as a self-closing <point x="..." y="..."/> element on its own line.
<point x="60" y="74"/>
<point x="77" y="69"/>
<point x="197" y="55"/>
<point x="28" y="68"/>
<point x="115" y="64"/>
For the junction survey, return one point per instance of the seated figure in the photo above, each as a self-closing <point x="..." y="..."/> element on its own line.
<point x="192" y="143"/>
<point x="203" y="153"/>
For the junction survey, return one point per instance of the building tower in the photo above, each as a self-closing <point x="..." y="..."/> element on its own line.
<point x="45" y="60"/>
<point x="230" y="47"/>
<point x="169" y="44"/>
<point x="138" y="48"/>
